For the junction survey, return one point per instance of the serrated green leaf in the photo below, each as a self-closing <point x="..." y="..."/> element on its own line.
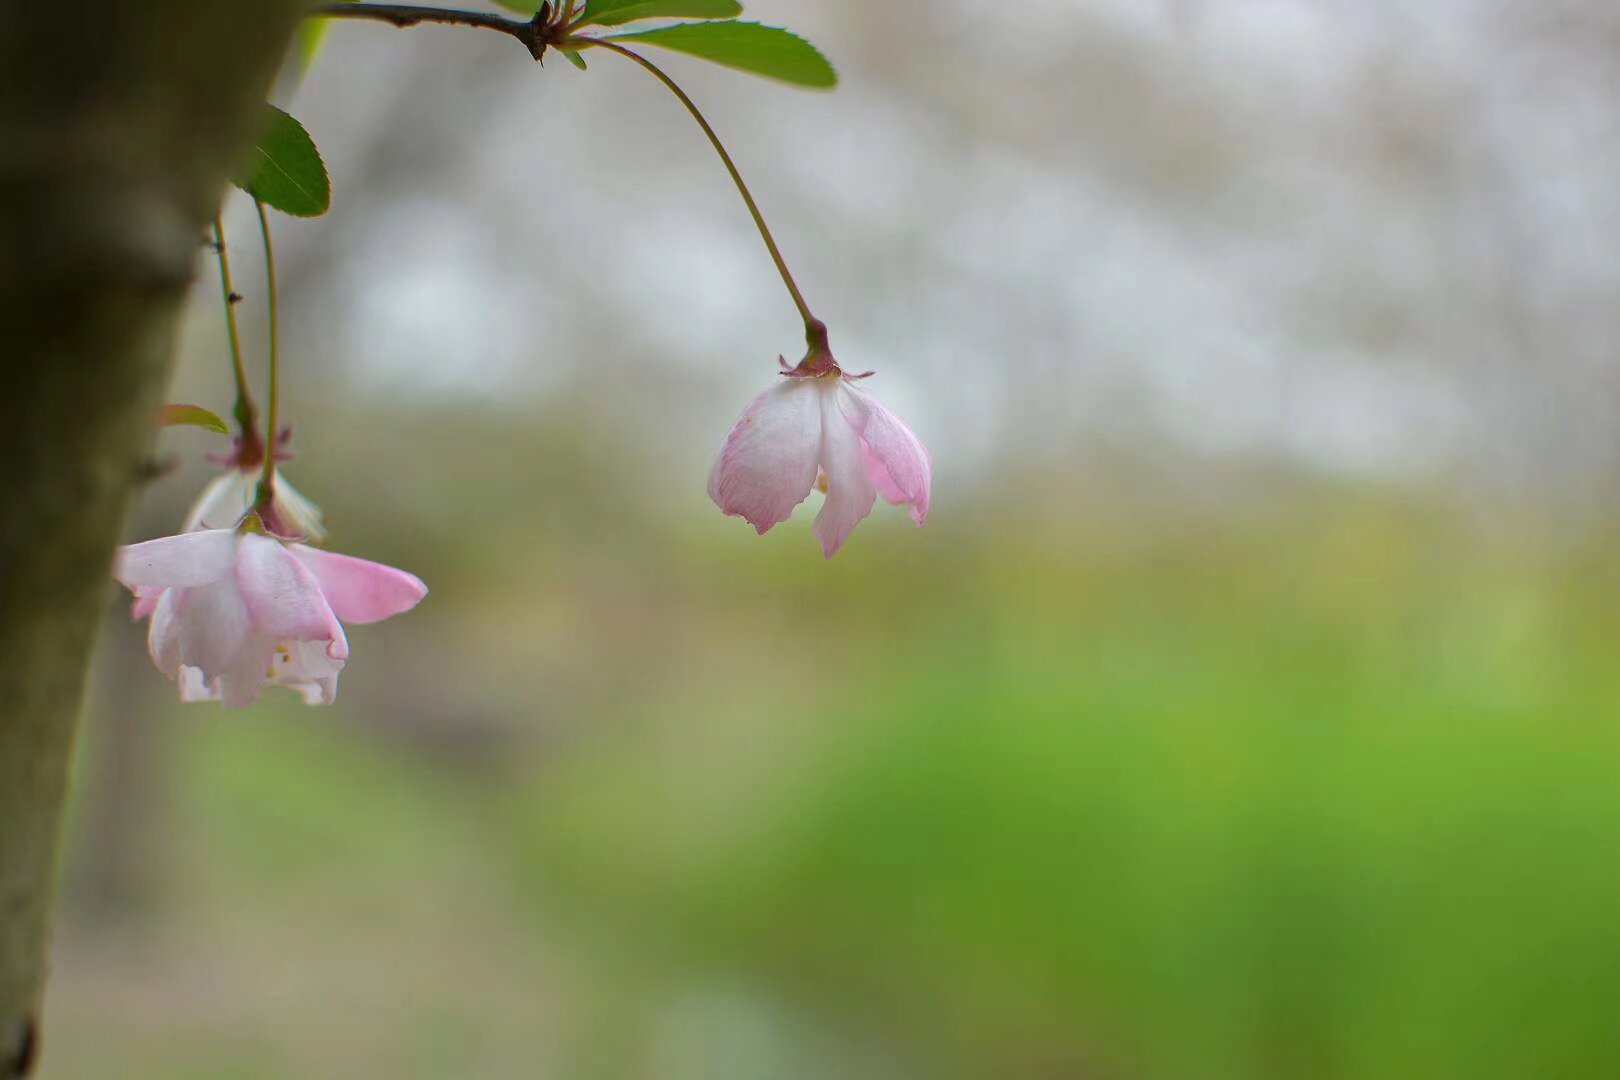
<point x="286" y="171"/>
<point x="619" y="12"/>
<point x="192" y="416"/>
<point x="574" y="58"/>
<point x="746" y="46"/>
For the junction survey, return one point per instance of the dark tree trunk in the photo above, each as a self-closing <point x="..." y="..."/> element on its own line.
<point x="119" y="123"/>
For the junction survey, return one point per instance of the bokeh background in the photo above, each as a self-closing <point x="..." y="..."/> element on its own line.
<point x="1248" y="707"/>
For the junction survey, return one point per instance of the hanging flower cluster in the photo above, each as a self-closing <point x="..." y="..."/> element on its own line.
<point x="244" y="597"/>
<point x="240" y="599"/>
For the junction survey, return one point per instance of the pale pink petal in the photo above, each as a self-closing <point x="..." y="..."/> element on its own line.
<point x="163" y="633"/>
<point x="850" y="493"/>
<point x="899" y="464"/>
<point x="193" y="688"/>
<point x="315" y="693"/>
<point x="223" y="502"/>
<point x="360" y="591"/>
<point x="283" y="596"/>
<point x="146" y="600"/>
<point x="305" y="667"/>
<point x="187" y="560"/>
<point x="244" y="680"/>
<point x="213" y="624"/>
<point x="769" y="461"/>
<point x="297" y="512"/>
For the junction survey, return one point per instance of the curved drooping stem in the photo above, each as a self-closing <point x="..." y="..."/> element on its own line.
<point x="267" y="479"/>
<point x="814" y="329"/>
<point x="244" y="412"/>
<point x="553" y="27"/>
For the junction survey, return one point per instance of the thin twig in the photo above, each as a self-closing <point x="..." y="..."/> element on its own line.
<point x="267" y="479"/>
<point x="544" y="29"/>
<point x="526" y="31"/>
<point x="246" y="415"/>
<point x="815" y="330"/>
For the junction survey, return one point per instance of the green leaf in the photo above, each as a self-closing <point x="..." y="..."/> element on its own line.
<point x="746" y="46"/>
<point x="192" y="416"/>
<point x="619" y="12"/>
<point x="286" y="170"/>
<point x="574" y="58"/>
<point x="522" y="7"/>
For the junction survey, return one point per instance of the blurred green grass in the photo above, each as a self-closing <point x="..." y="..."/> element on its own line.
<point x="1329" y="788"/>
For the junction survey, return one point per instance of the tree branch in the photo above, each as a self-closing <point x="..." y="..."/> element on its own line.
<point x="529" y="32"/>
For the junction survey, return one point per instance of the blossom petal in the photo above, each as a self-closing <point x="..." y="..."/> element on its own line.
<point x="316" y="693"/>
<point x="223" y="502"/>
<point x="297" y="512"/>
<point x="284" y="598"/>
<point x="145" y="602"/>
<point x="213" y="624"/>
<point x="163" y="633"/>
<point x="193" y="688"/>
<point x="850" y="492"/>
<point x="304" y="666"/>
<point x="898" y="462"/>
<point x="185" y="561"/>
<point x="241" y="684"/>
<point x="360" y="591"/>
<point x="768" y="463"/>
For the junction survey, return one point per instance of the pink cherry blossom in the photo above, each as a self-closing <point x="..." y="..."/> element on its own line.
<point x="817" y="429"/>
<point x="225" y="502"/>
<point x="233" y="612"/>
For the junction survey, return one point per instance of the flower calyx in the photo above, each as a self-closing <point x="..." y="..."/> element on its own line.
<point x="253" y="523"/>
<point x="248" y="449"/>
<point x="818" y="362"/>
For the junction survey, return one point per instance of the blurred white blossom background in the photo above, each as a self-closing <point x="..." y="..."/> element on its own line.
<point x="1372" y="239"/>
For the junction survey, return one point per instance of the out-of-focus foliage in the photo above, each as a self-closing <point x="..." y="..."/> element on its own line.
<point x="1333" y="791"/>
<point x="1323" y="798"/>
<point x="1247" y="709"/>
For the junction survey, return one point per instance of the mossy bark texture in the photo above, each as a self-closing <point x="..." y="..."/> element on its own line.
<point x="120" y="121"/>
